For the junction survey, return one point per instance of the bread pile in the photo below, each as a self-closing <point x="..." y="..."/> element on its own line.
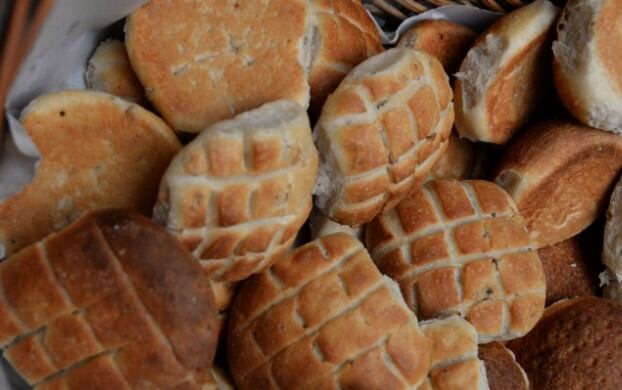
<point x="257" y="195"/>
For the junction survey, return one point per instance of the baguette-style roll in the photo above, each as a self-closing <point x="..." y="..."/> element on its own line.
<point x="321" y="225"/>
<point x="560" y="174"/>
<point x="568" y="268"/>
<point x="458" y="161"/>
<point x="454" y="363"/>
<point x="502" y="369"/>
<point x="343" y="36"/>
<point x="239" y="192"/>
<point x="109" y="71"/>
<point x="587" y="70"/>
<point x="204" y="62"/>
<point x="461" y="247"/>
<point x="612" y="243"/>
<point x="447" y="41"/>
<point x="380" y="134"/>
<point x="503" y="79"/>
<point x="323" y="317"/>
<point x="576" y="345"/>
<point x="110" y="302"/>
<point x="98" y="151"/>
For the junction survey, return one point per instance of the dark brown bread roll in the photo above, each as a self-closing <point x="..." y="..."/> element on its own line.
<point x="502" y="370"/>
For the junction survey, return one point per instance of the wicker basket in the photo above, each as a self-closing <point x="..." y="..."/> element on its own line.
<point x="401" y="9"/>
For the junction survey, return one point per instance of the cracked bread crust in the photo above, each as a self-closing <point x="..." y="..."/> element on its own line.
<point x="462" y="247"/>
<point x="112" y="301"/>
<point x="324" y="317"/>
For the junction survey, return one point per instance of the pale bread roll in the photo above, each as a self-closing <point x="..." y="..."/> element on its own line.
<point x="97" y="151"/>
<point x="612" y="243"/>
<point x="612" y="287"/>
<point x="239" y="192"/>
<point x="323" y="317"/>
<point x="109" y="70"/>
<point x="462" y="247"/>
<point x="447" y="41"/>
<point x="201" y="63"/>
<point x="380" y="134"/>
<point x="458" y="161"/>
<point x="587" y="56"/>
<point x="502" y="369"/>
<point x="454" y="362"/>
<point x="321" y="225"/>
<point x="503" y="79"/>
<point x="343" y="36"/>
<point x="560" y="174"/>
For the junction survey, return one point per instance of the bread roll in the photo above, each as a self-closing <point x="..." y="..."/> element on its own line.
<point x="109" y="70"/>
<point x="454" y="363"/>
<point x="462" y="247"/>
<point x="612" y="287"/>
<point x="321" y="226"/>
<point x="97" y="151"/>
<point x="503" y="79"/>
<point x="343" y="36"/>
<point x="110" y="302"/>
<point x="502" y="370"/>
<point x="381" y="133"/>
<point x="205" y="62"/>
<point x="323" y="317"/>
<point x="447" y="41"/>
<point x="216" y="379"/>
<point x="560" y="174"/>
<point x="612" y="243"/>
<point x="457" y="162"/>
<point x="239" y="192"/>
<point x="575" y="346"/>
<point x="586" y="67"/>
<point x="567" y="268"/>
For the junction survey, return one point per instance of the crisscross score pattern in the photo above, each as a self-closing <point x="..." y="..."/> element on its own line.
<point x="238" y="193"/>
<point x="324" y="317"/>
<point x="111" y="301"/>
<point x="380" y="134"/>
<point x="462" y="247"/>
<point x="454" y="363"/>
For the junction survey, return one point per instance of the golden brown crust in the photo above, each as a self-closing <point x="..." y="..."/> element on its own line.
<point x="560" y="174"/>
<point x="502" y="370"/>
<point x="239" y="192"/>
<point x="205" y="68"/>
<point x="447" y="41"/>
<point x="462" y="247"/>
<point x="381" y="133"/>
<point x="321" y="316"/>
<point x="567" y="269"/>
<point x="346" y="36"/>
<point x="98" y="151"/>
<point x="577" y="346"/>
<point x="113" y="289"/>
<point x="608" y="40"/>
<point x="458" y="161"/>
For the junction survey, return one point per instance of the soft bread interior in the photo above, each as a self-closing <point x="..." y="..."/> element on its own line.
<point x="377" y="64"/>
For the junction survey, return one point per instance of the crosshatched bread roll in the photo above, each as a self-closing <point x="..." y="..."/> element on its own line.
<point x="586" y="67"/>
<point x="560" y="174"/>
<point x="380" y="134"/>
<point x="112" y="301"/>
<point x="239" y="192"/>
<point x="502" y="369"/>
<point x="447" y="41"/>
<point x="321" y="225"/>
<point x="97" y="151"/>
<point x="568" y="270"/>
<point x="109" y="70"/>
<point x="461" y="247"/>
<point x="323" y="317"/>
<point x="612" y="243"/>
<point x="576" y="345"/>
<point x="503" y="79"/>
<point x="343" y="36"/>
<point x="454" y="363"/>
<point x="218" y="58"/>
<point x="458" y="161"/>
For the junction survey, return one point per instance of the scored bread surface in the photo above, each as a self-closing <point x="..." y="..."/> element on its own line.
<point x="204" y="62"/>
<point x="324" y="317"/>
<point x="462" y="247"/>
<point x="110" y="302"/>
<point x="454" y="362"/>
<point x="380" y="134"/>
<point x="239" y="192"/>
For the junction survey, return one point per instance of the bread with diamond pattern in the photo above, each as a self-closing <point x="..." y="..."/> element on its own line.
<point x="461" y="247"/>
<point x="324" y="317"/>
<point x="112" y="301"/>
<point x="239" y="192"/>
<point x="380" y="134"/>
